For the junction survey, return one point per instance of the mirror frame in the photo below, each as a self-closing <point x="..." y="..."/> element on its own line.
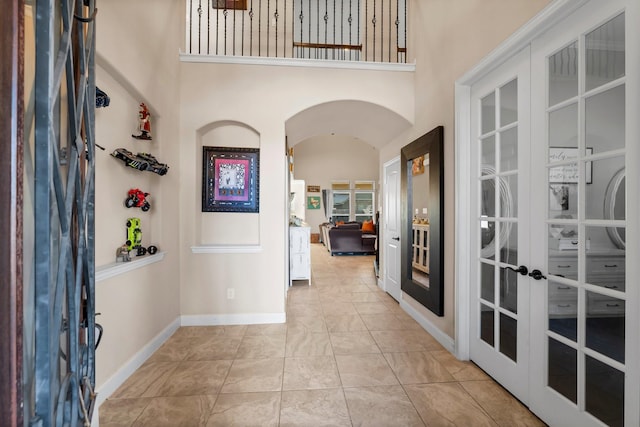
<point x="431" y="143"/>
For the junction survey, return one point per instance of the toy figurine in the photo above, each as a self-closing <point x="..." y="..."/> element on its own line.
<point x="122" y="254"/>
<point x="102" y="99"/>
<point x="144" y="123"/>
<point x="141" y="251"/>
<point x="137" y="198"/>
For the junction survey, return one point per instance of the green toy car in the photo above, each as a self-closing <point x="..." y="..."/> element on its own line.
<point x="134" y="234"/>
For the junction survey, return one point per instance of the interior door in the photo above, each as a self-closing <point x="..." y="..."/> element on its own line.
<point x="392" y="249"/>
<point x="499" y="300"/>
<point x="582" y="354"/>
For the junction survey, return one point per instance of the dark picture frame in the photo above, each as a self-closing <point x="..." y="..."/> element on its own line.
<point x="230" y="179"/>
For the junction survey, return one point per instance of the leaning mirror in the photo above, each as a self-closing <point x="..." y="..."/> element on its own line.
<point x="422" y="220"/>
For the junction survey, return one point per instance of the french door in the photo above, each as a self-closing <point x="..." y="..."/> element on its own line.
<point x="553" y="304"/>
<point x="500" y="303"/>
<point x="585" y="342"/>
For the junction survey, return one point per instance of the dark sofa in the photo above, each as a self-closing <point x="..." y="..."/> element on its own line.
<point x="349" y="239"/>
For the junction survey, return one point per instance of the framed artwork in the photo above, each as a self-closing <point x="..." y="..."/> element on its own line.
<point x="567" y="174"/>
<point x="313" y="188"/>
<point x="313" y="202"/>
<point x="230" y="179"/>
<point x="417" y="166"/>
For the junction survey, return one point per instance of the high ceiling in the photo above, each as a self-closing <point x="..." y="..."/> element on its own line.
<point x="369" y="122"/>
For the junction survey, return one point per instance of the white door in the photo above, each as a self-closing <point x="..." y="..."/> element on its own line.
<point x="391" y="236"/>
<point x="562" y="336"/>
<point x="499" y="300"/>
<point x="584" y="346"/>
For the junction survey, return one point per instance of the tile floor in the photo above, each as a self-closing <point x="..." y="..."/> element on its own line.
<point x="347" y="356"/>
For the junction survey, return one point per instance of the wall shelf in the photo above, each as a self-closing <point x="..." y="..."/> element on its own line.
<point x="108" y="271"/>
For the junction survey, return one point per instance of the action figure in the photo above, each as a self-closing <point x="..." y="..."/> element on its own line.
<point x="144" y="123"/>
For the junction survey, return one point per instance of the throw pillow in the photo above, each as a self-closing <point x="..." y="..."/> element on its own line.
<point x="368" y="227"/>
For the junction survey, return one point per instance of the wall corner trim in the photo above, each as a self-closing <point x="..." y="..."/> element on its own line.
<point x="108" y="271"/>
<point x="226" y="249"/>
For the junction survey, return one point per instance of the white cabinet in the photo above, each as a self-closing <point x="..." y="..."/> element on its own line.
<point x="299" y="254"/>
<point x="605" y="269"/>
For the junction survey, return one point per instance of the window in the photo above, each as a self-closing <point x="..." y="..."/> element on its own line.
<point x="341" y="206"/>
<point x="230" y="4"/>
<point x="352" y="202"/>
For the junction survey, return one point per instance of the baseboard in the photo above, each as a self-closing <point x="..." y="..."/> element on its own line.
<point x="232" y="319"/>
<point x="445" y="340"/>
<point x="121" y="375"/>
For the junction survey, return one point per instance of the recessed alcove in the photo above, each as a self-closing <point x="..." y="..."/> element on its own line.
<point x="216" y="229"/>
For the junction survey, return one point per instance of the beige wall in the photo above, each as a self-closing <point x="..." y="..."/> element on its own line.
<point x="323" y="159"/>
<point x="447" y="39"/>
<point x="259" y="98"/>
<point x="137" y="44"/>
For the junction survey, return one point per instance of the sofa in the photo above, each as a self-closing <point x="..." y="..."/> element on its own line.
<point x="348" y="239"/>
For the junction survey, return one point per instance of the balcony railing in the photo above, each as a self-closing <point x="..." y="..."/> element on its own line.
<point x="350" y="30"/>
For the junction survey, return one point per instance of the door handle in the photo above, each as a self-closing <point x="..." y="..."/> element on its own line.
<point x="537" y="275"/>
<point x="395" y="238"/>
<point x="522" y="270"/>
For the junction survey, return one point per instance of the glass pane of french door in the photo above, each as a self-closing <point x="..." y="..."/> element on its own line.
<point x="498" y="219"/>
<point x="586" y="300"/>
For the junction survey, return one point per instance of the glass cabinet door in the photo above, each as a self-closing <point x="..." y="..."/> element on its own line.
<point x="341" y="206"/>
<point x="364" y="205"/>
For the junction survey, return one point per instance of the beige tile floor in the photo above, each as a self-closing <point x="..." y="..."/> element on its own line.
<point x="347" y="356"/>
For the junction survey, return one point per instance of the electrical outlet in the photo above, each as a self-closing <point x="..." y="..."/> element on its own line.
<point x="231" y="293"/>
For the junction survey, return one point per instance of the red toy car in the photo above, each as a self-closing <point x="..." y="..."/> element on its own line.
<point x="137" y="198"/>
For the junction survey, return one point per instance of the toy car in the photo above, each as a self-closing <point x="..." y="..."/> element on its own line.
<point x="130" y="159"/>
<point x="137" y="198"/>
<point x="153" y="164"/>
<point x="140" y="161"/>
<point x="134" y="234"/>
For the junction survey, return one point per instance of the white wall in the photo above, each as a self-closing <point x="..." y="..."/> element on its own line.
<point x="137" y="45"/>
<point x="327" y="158"/>
<point x="447" y="38"/>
